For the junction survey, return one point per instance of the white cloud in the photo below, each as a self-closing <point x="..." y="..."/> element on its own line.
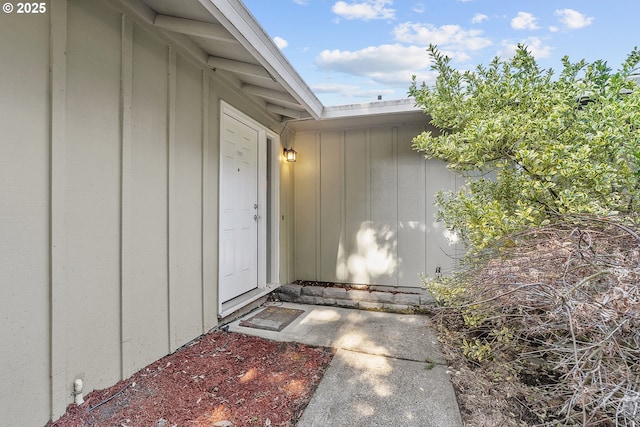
<point x="375" y="59"/>
<point x="427" y="77"/>
<point x="365" y="10"/>
<point x="301" y="2"/>
<point x="353" y="91"/>
<point x="572" y="19"/>
<point x="334" y="88"/>
<point x="418" y="8"/>
<point x="447" y="37"/>
<point x="479" y="18"/>
<point x="457" y="55"/>
<point x="280" y="42"/>
<point x="400" y="78"/>
<point x="390" y="65"/>
<point x="533" y="44"/>
<point x="524" y="21"/>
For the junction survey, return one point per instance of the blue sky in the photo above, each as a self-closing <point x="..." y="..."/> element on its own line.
<point x="351" y="51"/>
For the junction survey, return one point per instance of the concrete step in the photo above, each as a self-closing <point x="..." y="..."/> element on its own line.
<point x="392" y="299"/>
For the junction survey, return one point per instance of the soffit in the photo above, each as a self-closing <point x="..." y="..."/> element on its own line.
<point x="227" y="36"/>
<point x="224" y="35"/>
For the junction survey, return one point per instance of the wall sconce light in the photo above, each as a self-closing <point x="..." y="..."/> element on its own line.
<point x="290" y="154"/>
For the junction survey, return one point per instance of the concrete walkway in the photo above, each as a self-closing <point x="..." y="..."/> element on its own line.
<point x="387" y="370"/>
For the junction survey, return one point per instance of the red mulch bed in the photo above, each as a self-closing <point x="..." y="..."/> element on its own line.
<point x="219" y="379"/>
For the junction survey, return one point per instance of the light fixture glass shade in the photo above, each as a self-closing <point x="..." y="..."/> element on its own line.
<point x="290" y="154"/>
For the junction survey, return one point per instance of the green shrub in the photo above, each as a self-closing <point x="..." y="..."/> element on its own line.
<point x="531" y="145"/>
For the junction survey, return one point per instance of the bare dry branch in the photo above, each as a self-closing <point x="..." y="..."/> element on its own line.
<point x="560" y="311"/>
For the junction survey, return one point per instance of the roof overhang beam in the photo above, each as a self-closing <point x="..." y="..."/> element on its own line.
<point x="278" y="97"/>
<point x="234" y="16"/>
<point x="239" y="67"/>
<point x="190" y="27"/>
<point x="287" y="112"/>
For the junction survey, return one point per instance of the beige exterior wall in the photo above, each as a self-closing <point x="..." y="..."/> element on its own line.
<point x="364" y="208"/>
<point x="24" y="220"/>
<point x="108" y="199"/>
<point x="287" y="214"/>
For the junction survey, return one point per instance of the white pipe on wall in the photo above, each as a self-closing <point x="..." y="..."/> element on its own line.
<point x="77" y="392"/>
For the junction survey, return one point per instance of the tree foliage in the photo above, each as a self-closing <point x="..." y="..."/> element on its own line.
<point x="531" y="144"/>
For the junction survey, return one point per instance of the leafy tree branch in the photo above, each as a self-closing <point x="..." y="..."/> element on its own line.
<point x="553" y="145"/>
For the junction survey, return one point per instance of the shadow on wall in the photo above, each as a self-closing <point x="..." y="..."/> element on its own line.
<point x="373" y="254"/>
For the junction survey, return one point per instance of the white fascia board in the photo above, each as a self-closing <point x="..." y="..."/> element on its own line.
<point x="234" y="16"/>
<point x="370" y="109"/>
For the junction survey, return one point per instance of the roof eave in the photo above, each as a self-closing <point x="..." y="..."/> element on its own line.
<point x="234" y="16"/>
<point x="370" y="108"/>
<point x="378" y="113"/>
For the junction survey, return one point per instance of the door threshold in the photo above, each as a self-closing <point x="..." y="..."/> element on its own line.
<point x="247" y="298"/>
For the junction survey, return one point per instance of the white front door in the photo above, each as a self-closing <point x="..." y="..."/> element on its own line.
<point x="238" y="268"/>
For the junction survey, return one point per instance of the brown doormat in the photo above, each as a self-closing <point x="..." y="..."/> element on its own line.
<point x="272" y="318"/>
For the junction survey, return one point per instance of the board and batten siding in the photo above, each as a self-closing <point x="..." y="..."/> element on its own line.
<point x="25" y="152"/>
<point x="109" y="160"/>
<point x="287" y="212"/>
<point x="364" y="208"/>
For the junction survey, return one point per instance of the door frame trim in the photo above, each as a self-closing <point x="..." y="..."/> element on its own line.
<point x="265" y="284"/>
